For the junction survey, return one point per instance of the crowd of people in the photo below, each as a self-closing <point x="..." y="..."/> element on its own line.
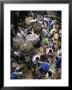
<point x="36" y="47"/>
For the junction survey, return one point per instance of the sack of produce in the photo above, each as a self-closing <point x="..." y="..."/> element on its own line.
<point x="44" y="41"/>
<point x="37" y="27"/>
<point x="32" y="38"/>
<point x="26" y="47"/>
<point x="17" y="42"/>
<point x="28" y="20"/>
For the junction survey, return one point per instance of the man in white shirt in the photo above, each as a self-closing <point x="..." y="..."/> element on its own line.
<point x="34" y="58"/>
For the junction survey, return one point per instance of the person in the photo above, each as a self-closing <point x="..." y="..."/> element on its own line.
<point x="19" y="35"/>
<point x="45" y="33"/>
<point x="49" y="23"/>
<point x="33" y="20"/>
<point x="43" y="58"/>
<point x="28" y="61"/>
<point x="18" y="67"/>
<point x="35" y="67"/>
<point x="54" y="21"/>
<point x="58" y="65"/>
<point x="59" y="52"/>
<point x="51" y="44"/>
<point x="56" y="41"/>
<point x="13" y="76"/>
<point x="45" y="18"/>
<point x="55" y="35"/>
<point x="37" y="41"/>
<point x="39" y="75"/>
<point x="60" y="32"/>
<point x="49" y="52"/>
<point x="35" y="59"/>
<point x="58" y="62"/>
<point x="35" y="64"/>
<point x="48" y="75"/>
<point x="16" y="55"/>
<point x="45" y="24"/>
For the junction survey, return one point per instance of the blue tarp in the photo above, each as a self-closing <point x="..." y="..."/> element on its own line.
<point x="44" y="67"/>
